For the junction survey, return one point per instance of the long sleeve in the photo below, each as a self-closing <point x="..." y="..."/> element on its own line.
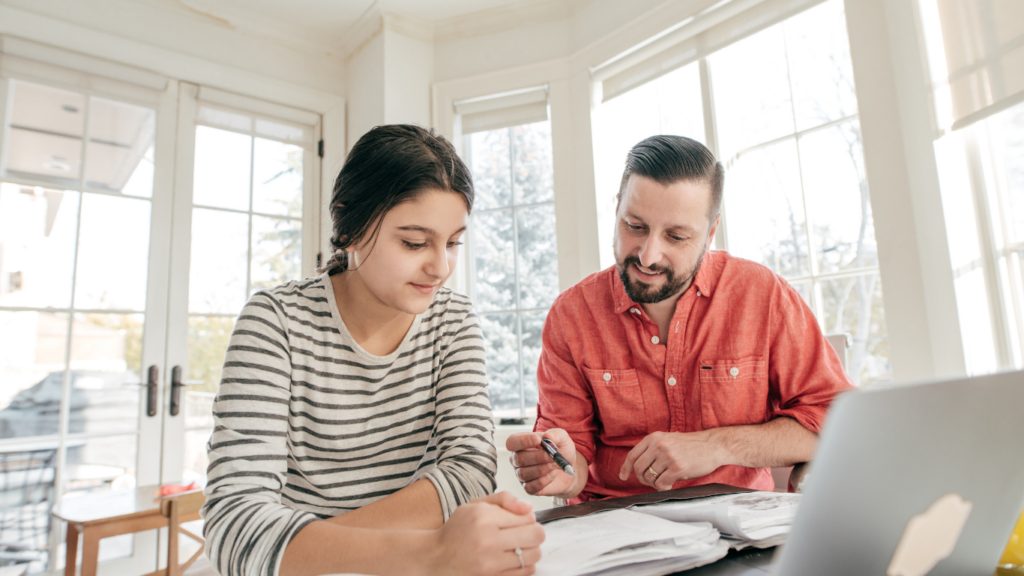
<point x="247" y="527"/>
<point x="463" y="428"/>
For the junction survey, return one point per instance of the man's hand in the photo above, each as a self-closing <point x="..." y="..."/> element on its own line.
<point x="480" y="539"/>
<point x="536" y="471"/>
<point x="673" y="456"/>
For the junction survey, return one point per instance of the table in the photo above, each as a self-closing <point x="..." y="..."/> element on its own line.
<point x="109" y="513"/>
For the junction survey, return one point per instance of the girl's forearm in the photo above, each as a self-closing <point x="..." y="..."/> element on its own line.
<point x="325" y="548"/>
<point x="415" y="507"/>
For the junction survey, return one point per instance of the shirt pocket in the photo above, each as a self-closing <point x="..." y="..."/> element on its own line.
<point x="620" y="403"/>
<point x="733" y="391"/>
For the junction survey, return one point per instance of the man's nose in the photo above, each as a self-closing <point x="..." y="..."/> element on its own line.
<point x="650" y="252"/>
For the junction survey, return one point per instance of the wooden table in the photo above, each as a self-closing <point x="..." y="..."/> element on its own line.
<point x="103" y="514"/>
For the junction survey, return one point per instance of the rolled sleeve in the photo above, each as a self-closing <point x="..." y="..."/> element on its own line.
<point x="804" y="371"/>
<point x="464" y="429"/>
<point x="246" y="525"/>
<point x="564" y="397"/>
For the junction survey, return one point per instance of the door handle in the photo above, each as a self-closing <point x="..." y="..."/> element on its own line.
<point x="176" y="386"/>
<point x="151" y="390"/>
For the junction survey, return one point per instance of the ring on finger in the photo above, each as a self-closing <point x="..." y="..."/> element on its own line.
<point x="650" y="470"/>
<point x="519" y="554"/>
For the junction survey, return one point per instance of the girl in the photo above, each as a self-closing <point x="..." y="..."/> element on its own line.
<point x="352" y="420"/>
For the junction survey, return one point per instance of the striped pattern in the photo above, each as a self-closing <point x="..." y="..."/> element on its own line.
<point x="309" y="425"/>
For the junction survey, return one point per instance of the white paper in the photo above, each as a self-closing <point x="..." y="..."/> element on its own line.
<point x="745" y="516"/>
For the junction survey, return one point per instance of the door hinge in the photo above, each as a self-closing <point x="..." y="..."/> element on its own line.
<point x="320" y="148"/>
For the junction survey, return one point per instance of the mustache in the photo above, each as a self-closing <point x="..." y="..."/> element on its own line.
<point x="653" y="268"/>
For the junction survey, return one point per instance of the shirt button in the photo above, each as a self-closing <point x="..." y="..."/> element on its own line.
<point x="607" y="376"/>
<point x="734" y="371"/>
<point x="698" y="293"/>
<point x="671" y="381"/>
<point x="655" y="339"/>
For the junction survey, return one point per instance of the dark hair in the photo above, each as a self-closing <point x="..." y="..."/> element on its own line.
<point x="670" y="159"/>
<point x="389" y="165"/>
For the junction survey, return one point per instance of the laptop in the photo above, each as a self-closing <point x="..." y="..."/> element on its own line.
<point x="908" y="481"/>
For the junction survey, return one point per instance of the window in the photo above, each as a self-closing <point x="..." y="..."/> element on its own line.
<point x="512" y="256"/>
<point x="796" y="196"/>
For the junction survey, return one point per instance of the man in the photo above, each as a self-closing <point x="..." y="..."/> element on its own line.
<point x="678" y="366"/>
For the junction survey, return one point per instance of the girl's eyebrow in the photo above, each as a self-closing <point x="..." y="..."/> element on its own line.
<point x="425" y="230"/>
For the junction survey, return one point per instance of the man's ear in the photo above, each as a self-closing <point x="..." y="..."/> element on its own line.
<point x="714" y="229"/>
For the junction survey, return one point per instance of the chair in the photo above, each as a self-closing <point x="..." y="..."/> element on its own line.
<point x="27" y="490"/>
<point x="841" y="344"/>
<point x="173" y="508"/>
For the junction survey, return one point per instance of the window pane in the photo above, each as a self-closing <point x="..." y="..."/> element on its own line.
<point x="502" y="358"/>
<point x="538" y="256"/>
<point x="29" y="491"/>
<point x="208" y="338"/>
<point x="819" y="60"/>
<point x="220" y="248"/>
<point x="106" y="358"/>
<point x="492" y="169"/>
<point x="37" y="231"/>
<point x="493" y="261"/>
<point x="671" y="104"/>
<point x="764" y="210"/>
<point x="751" y="91"/>
<point x="120" y="153"/>
<point x="45" y="137"/>
<point x="1007" y="129"/>
<point x="113" y="248"/>
<point x="837" y="198"/>
<point x="276" y="251"/>
<point x="196" y="459"/>
<point x="532" y="328"/>
<point x="854" y="305"/>
<point x="277" y="178"/>
<point x="534" y="179"/>
<point x="33" y="355"/>
<point x="804" y="289"/>
<point x="222" y="168"/>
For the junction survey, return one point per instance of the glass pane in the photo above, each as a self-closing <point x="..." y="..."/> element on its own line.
<point x="196" y="459"/>
<point x="37" y="231"/>
<point x="208" y="338"/>
<point x="277" y="178"/>
<point x="493" y="261"/>
<point x="764" y="210"/>
<point x="819" y="60"/>
<point x="854" y="305"/>
<point x="492" y="172"/>
<point x="532" y="327"/>
<point x="837" y="198"/>
<point x="120" y="153"/>
<point x="113" y="249"/>
<point x="534" y="179"/>
<point x="45" y="138"/>
<point x="33" y="354"/>
<point x="745" y="116"/>
<point x="1008" y="136"/>
<point x="106" y="364"/>
<point x="538" y="256"/>
<point x="220" y="248"/>
<point x="222" y="170"/>
<point x="276" y="252"/>
<point x="804" y="289"/>
<point x="27" y="482"/>
<point x="502" y="358"/>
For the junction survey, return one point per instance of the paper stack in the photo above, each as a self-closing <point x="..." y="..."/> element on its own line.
<point x="759" y="519"/>
<point x="621" y="542"/>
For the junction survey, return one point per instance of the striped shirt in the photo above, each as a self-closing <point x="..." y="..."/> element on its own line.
<point x="309" y="425"/>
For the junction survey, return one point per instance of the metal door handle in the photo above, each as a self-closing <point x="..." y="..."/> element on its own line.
<point x="151" y="390"/>
<point x="176" y="386"/>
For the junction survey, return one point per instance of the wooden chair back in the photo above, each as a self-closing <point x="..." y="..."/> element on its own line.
<point x="180" y="508"/>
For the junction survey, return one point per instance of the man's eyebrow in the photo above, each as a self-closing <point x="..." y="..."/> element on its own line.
<point x="427" y="231"/>
<point x="676" y="227"/>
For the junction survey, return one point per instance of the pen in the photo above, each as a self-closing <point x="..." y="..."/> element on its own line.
<point x="549" y="447"/>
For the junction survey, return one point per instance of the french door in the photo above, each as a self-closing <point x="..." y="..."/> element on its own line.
<point x="134" y="223"/>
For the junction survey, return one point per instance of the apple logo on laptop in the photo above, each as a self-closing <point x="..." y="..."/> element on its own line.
<point x="930" y="537"/>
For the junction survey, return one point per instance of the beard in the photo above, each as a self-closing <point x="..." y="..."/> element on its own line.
<point x="643" y="293"/>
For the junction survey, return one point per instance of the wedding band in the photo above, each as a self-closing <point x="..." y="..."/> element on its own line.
<point x="519" y="554"/>
<point x="652" y="472"/>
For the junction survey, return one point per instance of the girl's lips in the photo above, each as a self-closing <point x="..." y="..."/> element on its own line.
<point x="425" y="288"/>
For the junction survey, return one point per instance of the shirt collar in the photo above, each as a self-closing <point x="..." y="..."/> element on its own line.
<point x="702" y="283"/>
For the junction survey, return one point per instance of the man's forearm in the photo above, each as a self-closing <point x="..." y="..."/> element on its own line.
<point x="415" y="507"/>
<point x="780" y="442"/>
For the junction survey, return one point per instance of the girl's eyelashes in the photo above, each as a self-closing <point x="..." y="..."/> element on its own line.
<point x="455" y="243"/>
<point x="414" y="246"/>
